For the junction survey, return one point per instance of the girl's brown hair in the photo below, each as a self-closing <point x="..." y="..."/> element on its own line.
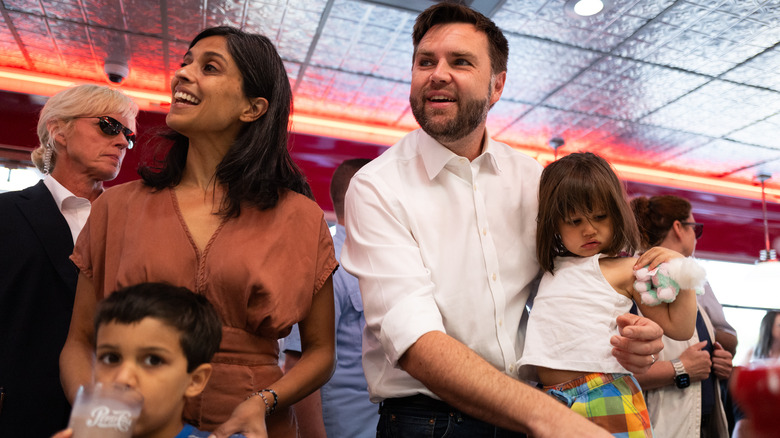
<point x="580" y="183"/>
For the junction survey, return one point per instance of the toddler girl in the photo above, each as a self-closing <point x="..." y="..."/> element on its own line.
<point x="584" y="226"/>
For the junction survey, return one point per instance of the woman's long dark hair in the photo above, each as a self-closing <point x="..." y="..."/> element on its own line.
<point x="258" y="166"/>
<point x="765" y="340"/>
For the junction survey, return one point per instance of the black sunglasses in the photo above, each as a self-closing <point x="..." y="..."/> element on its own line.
<point x="698" y="228"/>
<point x="110" y="126"/>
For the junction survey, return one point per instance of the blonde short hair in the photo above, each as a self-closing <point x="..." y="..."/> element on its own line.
<point x="78" y="101"/>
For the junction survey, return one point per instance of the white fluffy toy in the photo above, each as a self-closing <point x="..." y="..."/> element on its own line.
<point x="662" y="284"/>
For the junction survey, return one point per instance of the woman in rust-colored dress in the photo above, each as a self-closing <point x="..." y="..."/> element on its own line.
<point x="228" y="215"/>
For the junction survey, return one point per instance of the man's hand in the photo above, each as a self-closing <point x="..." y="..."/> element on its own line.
<point x="697" y="361"/>
<point x="248" y="418"/>
<point x="722" y="364"/>
<point x="639" y="341"/>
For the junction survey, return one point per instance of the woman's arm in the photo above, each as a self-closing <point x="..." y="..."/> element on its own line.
<point x="76" y="357"/>
<point x="695" y="359"/>
<point x="318" y="351"/>
<point x="312" y="370"/>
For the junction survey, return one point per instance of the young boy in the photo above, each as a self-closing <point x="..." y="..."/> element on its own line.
<point x="157" y="339"/>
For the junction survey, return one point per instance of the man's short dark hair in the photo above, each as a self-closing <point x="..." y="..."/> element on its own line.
<point x="445" y="13"/>
<point x="192" y="315"/>
<point x="340" y="182"/>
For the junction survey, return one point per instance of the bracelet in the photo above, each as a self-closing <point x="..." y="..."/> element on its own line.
<point x="269" y="409"/>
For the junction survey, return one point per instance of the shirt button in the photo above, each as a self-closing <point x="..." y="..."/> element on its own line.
<point x="475" y="187"/>
<point x="500" y="322"/>
<point x="484" y="231"/>
<point x="494" y="277"/>
<point x="511" y="368"/>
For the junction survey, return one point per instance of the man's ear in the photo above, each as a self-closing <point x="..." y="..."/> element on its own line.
<point x="257" y="107"/>
<point x="198" y="379"/>
<point x="498" y="87"/>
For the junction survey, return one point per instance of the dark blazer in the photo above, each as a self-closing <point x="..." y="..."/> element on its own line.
<point x="37" y="289"/>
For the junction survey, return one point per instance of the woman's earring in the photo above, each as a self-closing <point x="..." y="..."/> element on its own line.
<point x="49" y="150"/>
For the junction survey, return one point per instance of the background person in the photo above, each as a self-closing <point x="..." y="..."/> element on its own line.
<point x="681" y="388"/>
<point x="440" y="233"/>
<point x="84" y="133"/>
<point x="229" y="216"/>
<point x="768" y="345"/>
<point x="765" y="353"/>
<point x="345" y="408"/>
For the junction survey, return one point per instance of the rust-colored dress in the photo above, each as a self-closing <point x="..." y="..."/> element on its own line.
<point x="260" y="270"/>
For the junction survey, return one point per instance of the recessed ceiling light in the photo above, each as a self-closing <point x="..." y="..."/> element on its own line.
<point x="585" y="8"/>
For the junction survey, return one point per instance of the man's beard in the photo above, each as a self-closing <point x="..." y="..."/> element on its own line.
<point x="470" y="114"/>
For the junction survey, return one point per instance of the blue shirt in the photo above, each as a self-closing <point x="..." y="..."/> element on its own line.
<point x="188" y="431"/>
<point x="346" y="409"/>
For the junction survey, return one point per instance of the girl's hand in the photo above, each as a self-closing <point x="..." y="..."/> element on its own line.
<point x="655" y="256"/>
<point x="248" y="419"/>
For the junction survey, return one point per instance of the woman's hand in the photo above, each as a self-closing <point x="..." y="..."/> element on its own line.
<point x="722" y="362"/>
<point x="248" y="418"/>
<point x="697" y="361"/>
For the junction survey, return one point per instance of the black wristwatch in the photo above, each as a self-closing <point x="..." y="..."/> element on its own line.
<point x="681" y="377"/>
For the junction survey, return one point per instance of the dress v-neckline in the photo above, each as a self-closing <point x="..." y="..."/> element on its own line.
<point x="199" y="253"/>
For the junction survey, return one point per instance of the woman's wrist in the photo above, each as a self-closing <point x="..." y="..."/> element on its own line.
<point x="270" y="405"/>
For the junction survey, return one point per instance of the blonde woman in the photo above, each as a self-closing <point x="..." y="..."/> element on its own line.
<point x="84" y="133"/>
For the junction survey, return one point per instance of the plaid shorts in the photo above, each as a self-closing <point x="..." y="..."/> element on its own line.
<point x="613" y="401"/>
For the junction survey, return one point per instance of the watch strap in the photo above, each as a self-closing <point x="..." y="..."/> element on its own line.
<point x="679" y="368"/>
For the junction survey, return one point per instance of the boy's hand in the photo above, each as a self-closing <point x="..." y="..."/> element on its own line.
<point x="638" y="343"/>
<point x="248" y="418"/>
<point x="67" y="433"/>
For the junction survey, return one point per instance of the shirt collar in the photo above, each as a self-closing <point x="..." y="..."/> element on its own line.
<point x="58" y="191"/>
<point x="435" y="155"/>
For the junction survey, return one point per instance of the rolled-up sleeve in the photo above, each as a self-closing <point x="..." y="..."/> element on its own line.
<point x="381" y="251"/>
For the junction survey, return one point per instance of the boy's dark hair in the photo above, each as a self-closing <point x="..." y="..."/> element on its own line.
<point x="579" y="183"/>
<point x="655" y="216"/>
<point x="446" y="13"/>
<point x="192" y="315"/>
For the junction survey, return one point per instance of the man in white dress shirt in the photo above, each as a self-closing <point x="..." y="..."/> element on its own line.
<point x="440" y="233"/>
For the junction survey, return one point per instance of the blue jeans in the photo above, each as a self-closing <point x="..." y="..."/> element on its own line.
<point x="419" y="416"/>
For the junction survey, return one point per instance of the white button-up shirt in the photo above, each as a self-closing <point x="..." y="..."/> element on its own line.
<point x="73" y="208"/>
<point x="441" y="244"/>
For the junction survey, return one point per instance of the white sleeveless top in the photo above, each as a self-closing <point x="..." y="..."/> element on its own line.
<point x="572" y="320"/>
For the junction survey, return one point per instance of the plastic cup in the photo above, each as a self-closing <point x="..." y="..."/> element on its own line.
<point x="105" y="411"/>
<point x="757" y="390"/>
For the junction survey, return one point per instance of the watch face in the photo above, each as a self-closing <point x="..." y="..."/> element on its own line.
<point x="682" y="381"/>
